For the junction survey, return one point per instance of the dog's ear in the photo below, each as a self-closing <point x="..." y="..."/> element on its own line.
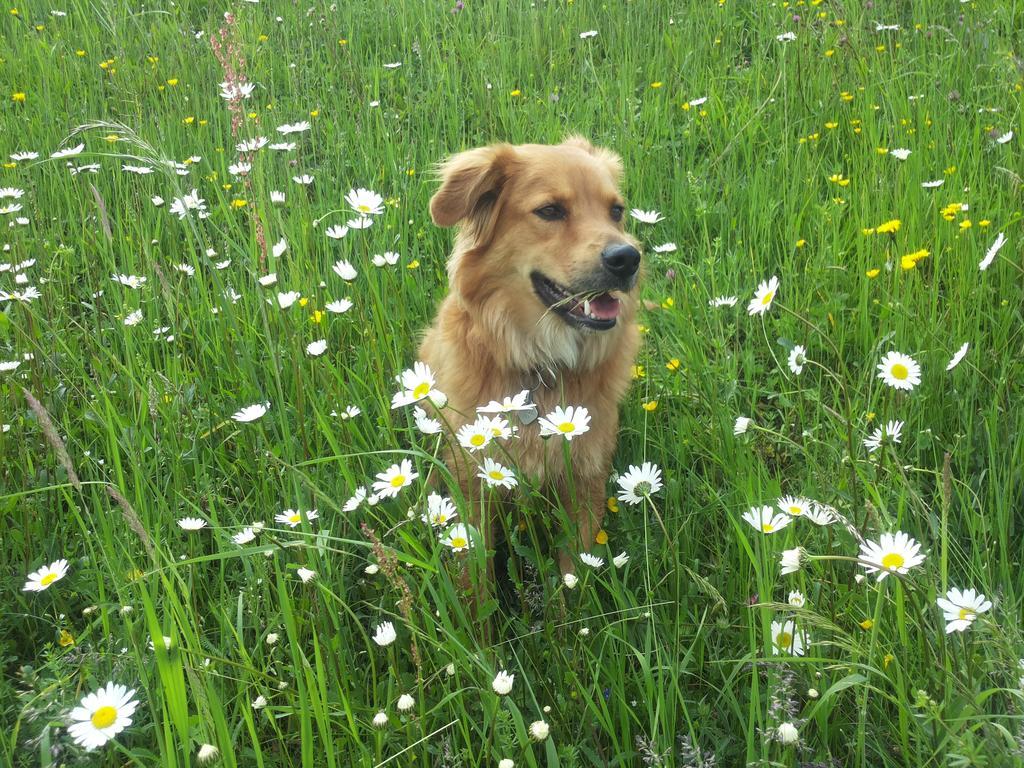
<point x="611" y="160"/>
<point x="471" y="185"/>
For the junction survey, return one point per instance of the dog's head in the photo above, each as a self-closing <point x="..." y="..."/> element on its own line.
<point x="541" y="235"/>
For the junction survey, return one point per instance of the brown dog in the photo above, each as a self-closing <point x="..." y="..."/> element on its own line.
<point x="542" y="297"/>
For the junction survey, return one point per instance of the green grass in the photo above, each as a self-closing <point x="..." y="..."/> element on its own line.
<point x="679" y="646"/>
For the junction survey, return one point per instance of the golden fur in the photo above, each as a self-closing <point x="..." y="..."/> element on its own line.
<point x="493" y="335"/>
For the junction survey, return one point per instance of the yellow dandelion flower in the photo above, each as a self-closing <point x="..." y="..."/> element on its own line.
<point x="668" y="303"/>
<point x="873" y="273"/>
<point x="414" y="264"/>
<point x="831" y="125"/>
<point x="612" y="503"/>
<point x="867" y="624"/>
<point x="656" y="84"/>
<point x="239" y="203"/>
<point x="317" y="316"/>
<point x="638" y="372"/>
<point x="172" y="82"/>
<point x="602" y="537"/>
<point x="18" y="96"/>
<point x="650" y="405"/>
<point x="515" y="92"/>
<point x="66" y="639"/>
<point x="801" y="243"/>
<point x="984" y="223"/>
<point x="965" y="224"/>
<point x="890" y="227"/>
<point x="673" y="364"/>
<point x="80" y="53"/>
<point x="830" y="52"/>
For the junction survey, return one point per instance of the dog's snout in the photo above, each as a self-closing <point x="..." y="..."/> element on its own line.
<point x="621" y="259"/>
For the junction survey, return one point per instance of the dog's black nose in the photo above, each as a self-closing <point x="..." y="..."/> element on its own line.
<point x="621" y="259"/>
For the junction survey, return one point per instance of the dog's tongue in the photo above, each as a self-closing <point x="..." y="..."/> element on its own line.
<point x="605" y="307"/>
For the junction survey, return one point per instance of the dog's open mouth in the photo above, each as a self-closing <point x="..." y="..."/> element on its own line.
<point x="597" y="311"/>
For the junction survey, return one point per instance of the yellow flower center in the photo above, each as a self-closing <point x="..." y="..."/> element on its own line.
<point x="295" y="518"/>
<point x="795" y="510"/>
<point x="398" y="481"/>
<point x="767" y="527"/>
<point x="893" y="560"/>
<point x="495" y="475"/>
<point x="967" y="613"/>
<point x="48" y="579"/>
<point x="477" y="440"/>
<point x="784" y="640"/>
<point x="364" y="209"/>
<point x="104" y="717"/>
<point x="566" y="427"/>
<point x="421" y="390"/>
<point x="899" y="371"/>
<point x="767" y="298"/>
<point x="458" y="542"/>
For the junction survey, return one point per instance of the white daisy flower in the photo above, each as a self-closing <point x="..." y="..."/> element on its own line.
<point x="790" y="560"/>
<point x="794" y="506"/>
<point x="360" y="222"/>
<point x="502" y="683"/>
<point x="646" y="217"/>
<point x="960" y="354"/>
<point x="497" y="475"/>
<point x="268" y="280"/>
<point x="960" y="609"/>
<point x="392" y="480"/>
<point x="356" y="499"/>
<point x="316" y="348"/>
<point x="592" y="560"/>
<point x="293" y="517"/>
<point x="764" y="520"/>
<point x="337" y="232"/>
<point x="306" y="574"/>
<point x="589" y="33"/>
<point x="900" y="154"/>
<point x="933" y="184"/>
<point x="71" y="152"/>
<point x="389" y="258"/>
<point x="191" y="523"/>
<point x="133" y="318"/>
<point x="245" y="536"/>
<point x="567" y="422"/>
<point x="1004" y="138"/>
<point x="820" y="514"/>
<point x="304" y="179"/>
<point x="385" y="634"/>
<point x="742" y="425"/>
<point x="102" y="715"/>
<point x="283" y="146"/>
<point x="990" y="254"/>
<point x="416" y="384"/>
<point x="664" y="248"/>
<point x="797" y="359"/>
<point x="339" y="307"/>
<point x="899" y="371"/>
<point x="405" y="703"/>
<point x="286" y="299"/>
<point x="786" y="639"/>
<point x="515" y="403"/>
<point x="365" y="201"/>
<point x="345" y="270"/>
<point x="424" y="423"/>
<point x="786" y="37"/>
<point x="894" y="553"/>
<point x="457" y="538"/>
<point x="300" y="127"/>
<point x="440" y="511"/>
<point x="350" y="412"/>
<point x="19" y="156"/>
<point x="639" y="483"/>
<point x="763" y="297"/>
<point x="723" y="301"/>
<point x="138" y="170"/>
<point x="251" y="412"/>
<point x="796" y="599"/>
<point x="236" y="91"/>
<point x="474" y="437"/>
<point x="393" y="65"/>
<point x="279" y="248"/>
<point x="41" y="579"/>
<point x="135" y="282"/>
<point x="277" y="197"/>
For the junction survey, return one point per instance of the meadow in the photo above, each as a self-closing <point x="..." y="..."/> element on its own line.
<point x="216" y="257"/>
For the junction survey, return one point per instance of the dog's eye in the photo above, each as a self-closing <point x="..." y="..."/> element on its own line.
<point x="551" y="212"/>
<point x="617" y="211"/>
